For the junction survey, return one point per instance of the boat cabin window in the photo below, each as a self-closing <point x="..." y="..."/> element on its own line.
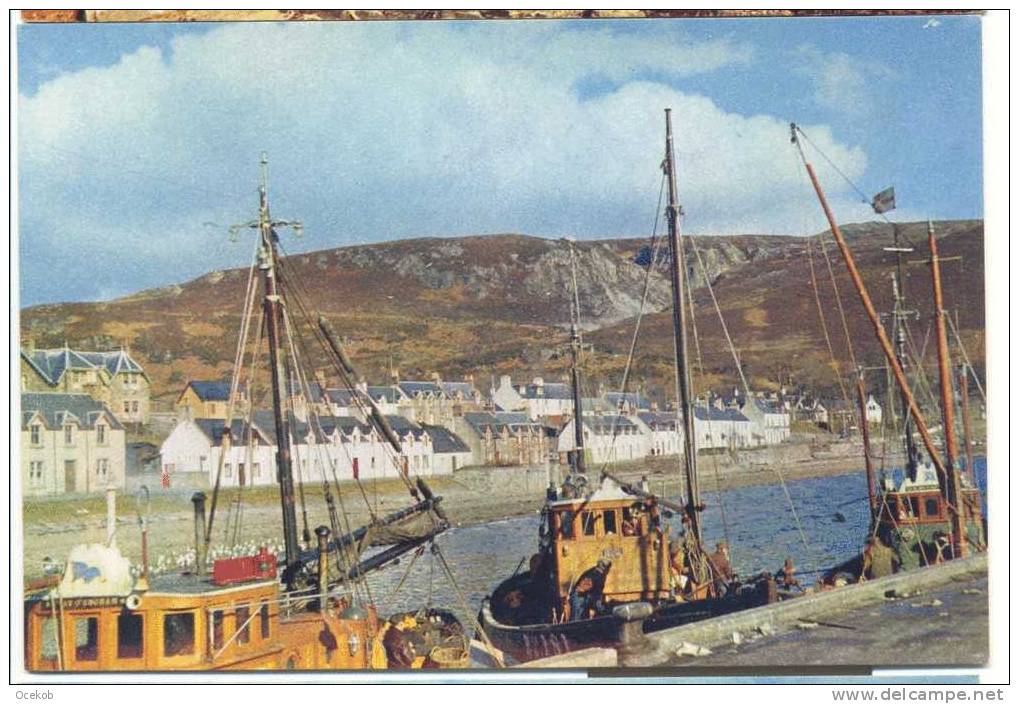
<point x="86" y="638"/>
<point x="263" y="615"/>
<point x="587" y="520"/>
<point x="178" y="634"/>
<point x="48" y="639"/>
<point x="932" y="507"/>
<point x="130" y="632"/>
<point x="566" y="524"/>
<point x="631" y="522"/>
<point x="610" y="523"/>
<point x="217" y="630"/>
<point x="241" y="624"/>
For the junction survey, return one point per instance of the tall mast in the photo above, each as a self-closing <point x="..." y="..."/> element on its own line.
<point x="678" y="272"/>
<point x="954" y="491"/>
<point x="575" y="349"/>
<point x="899" y="315"/>
<point x="578" y="410"/>
<point x="267" y="258"/>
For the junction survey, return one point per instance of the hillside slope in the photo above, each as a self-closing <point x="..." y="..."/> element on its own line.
<point x="492" y="304"/>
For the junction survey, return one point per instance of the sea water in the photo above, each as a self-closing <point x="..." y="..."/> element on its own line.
<point x="817" y="522"/>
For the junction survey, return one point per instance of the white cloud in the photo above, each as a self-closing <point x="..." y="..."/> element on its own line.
<point x="842" y="82"/>
<point x="384" y="130"/>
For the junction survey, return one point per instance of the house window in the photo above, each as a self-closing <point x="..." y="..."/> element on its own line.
<point x="134" y="406"/>
<point x="130" y="632"/>
<point x="127" y="406"/>
<point x="178" y="634"/>
<point x="36" y="434"/>
<point x="256" y="470"/>
<point x="68" y="434"/>
<point x="86" y="639"/>
<point x="228" y="468"/>
<point x="35" y="472"/>
<point x="102" y="468"/>
<point x="241" y="616"/>
<point x="101" y="434"/>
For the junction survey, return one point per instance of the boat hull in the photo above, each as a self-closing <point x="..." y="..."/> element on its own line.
<point x="529" y="642"/>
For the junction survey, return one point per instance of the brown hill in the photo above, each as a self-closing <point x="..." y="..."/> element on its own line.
<point x="497" y="304"/>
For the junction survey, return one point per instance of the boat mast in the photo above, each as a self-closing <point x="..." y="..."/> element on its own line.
<point x="267" y="258"/>
<point x="693" y="504"/>
<point x="967" y="427"/>
<point x="954" y="489"/>
<point x="899" y="315"/>
<point x="879" y="331"/>
<point x="575" y="348"/>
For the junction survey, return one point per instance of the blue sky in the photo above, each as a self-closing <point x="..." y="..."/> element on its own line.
<point x="138" y="144"/>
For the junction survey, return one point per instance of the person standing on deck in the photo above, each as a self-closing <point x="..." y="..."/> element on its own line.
<point x="879" y="560"/>
<point x="586" y="597"/>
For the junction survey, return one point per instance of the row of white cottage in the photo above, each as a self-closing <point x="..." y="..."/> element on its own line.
<point x="618" y="438"/>
<point x="332" y="448"/>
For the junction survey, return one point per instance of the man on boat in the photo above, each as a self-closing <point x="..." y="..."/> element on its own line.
<point x="879" y="560"/>
<point x="586" y="597"/>
<point x="721" y="567"/>
<point x="785" y="578"/>
<point x="677" y="569"/>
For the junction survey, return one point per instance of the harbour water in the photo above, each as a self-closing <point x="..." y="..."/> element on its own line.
<point x="822" y="522"/>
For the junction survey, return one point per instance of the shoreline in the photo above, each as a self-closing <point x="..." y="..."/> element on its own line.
<point x="471" y="496"/>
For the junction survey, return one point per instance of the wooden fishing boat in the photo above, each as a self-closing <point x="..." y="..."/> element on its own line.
<point x="307" y="612"/>
<point x="608" y="566"/>
<point x="934" y="512"/>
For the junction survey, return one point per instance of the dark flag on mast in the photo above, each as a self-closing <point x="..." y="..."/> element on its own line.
<point x="884" y="201"/>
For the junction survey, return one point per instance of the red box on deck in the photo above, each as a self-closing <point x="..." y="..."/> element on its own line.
<point x="244" y="569"/>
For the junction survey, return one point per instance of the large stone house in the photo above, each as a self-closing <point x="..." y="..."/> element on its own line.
<point x="503" y="438"/>
<point x="70" y="443"/>
<point x="208" y="399"/>
<point x="438" y="402"/>
<point x="113" y="378"/>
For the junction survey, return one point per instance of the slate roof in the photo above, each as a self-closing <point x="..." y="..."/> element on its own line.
<point x="605" y="425"/>
<point x="213" y="429"/>
<point x="56" y="408"/>
<point x="553" y="390"/>
<point x="390" y="394"/>
<point x="718" y="414"/>
<point x="444" y="440"/>
<point x="481" y="420"/>
<point x="659" y="421"/>
<point x="766" y="406"/>
<point x="451" y="388"/>
<point x="633" y="398"/>
<point x="414" y="388"/>
<point x="210" y="390"/>
<point x="51" y="364"/>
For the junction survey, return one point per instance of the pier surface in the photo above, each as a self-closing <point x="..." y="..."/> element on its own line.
<point x="945" y="625"/>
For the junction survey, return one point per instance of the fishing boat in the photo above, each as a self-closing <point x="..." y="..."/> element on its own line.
<point x="934" y="512"/>
<point x="303" y="609"/>
<point x="608" y="566"/>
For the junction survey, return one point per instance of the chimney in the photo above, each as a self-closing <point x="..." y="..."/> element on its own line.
<point x="436" y="378"/>
<point x="505" y="382"/>
<point x="394" y="375"/>
<point x="362" y="386"/>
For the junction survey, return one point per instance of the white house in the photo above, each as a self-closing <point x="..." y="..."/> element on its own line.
<point x="194" y="448"/>
<point x="666" y="432"/>
<point x="718" y="428"/>
<point x="608" y="439"/>
<point x="540" y="399"/>
<point x="874" y="412"/>
<point x="769" y="421"/>
<point x="69" y="443"/>
<point x="450" y="452"/>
